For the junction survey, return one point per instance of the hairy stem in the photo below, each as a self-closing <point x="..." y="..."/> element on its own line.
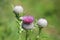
<point x="38" y="36"/>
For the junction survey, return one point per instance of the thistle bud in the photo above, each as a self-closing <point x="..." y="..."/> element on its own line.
<point x="18" y="9"/>
<point x="42" y="22"/>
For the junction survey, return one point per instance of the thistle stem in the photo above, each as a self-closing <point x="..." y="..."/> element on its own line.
<point x="18" y="21"/>
<point x="38" y="36"/>
<point x="26" y="34"/>
<point x="17" y="16"/>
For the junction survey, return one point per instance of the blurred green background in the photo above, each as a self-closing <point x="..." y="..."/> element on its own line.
<point x="49" y="9"/>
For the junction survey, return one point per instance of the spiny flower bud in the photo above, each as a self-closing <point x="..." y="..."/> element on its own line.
<point x="42" y="22"/>
<point x="18" y="9"/>
<point x="27" y="26"/>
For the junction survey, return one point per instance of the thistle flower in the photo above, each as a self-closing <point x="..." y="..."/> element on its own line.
<point x="27" y="22"/>
<point x="42" y="22"/>
<point x="27" y="19"/>
<point x="18" y="9"/>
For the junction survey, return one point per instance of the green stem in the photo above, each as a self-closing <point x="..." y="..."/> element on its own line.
<point x="38" y="36"/>
<point x="18" y="21"/>
<point x="26" y="34"/>
<point x="17" y="16"/>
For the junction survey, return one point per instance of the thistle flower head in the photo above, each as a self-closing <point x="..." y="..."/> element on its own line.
<point x="42" y="22"/>
<point x="18" y="9"/>
<point x="27" y="19"/>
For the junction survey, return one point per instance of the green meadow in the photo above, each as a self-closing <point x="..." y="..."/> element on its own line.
<point x="48" y="9"/>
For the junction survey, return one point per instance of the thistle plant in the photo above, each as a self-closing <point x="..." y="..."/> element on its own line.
<point x="28" y="22"/>
<point x="41" y="24"/>
<point x="18" y="10"/>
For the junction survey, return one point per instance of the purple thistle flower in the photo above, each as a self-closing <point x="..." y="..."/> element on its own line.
<point x="27" y="22"/>
<point x="27" y="19"/>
